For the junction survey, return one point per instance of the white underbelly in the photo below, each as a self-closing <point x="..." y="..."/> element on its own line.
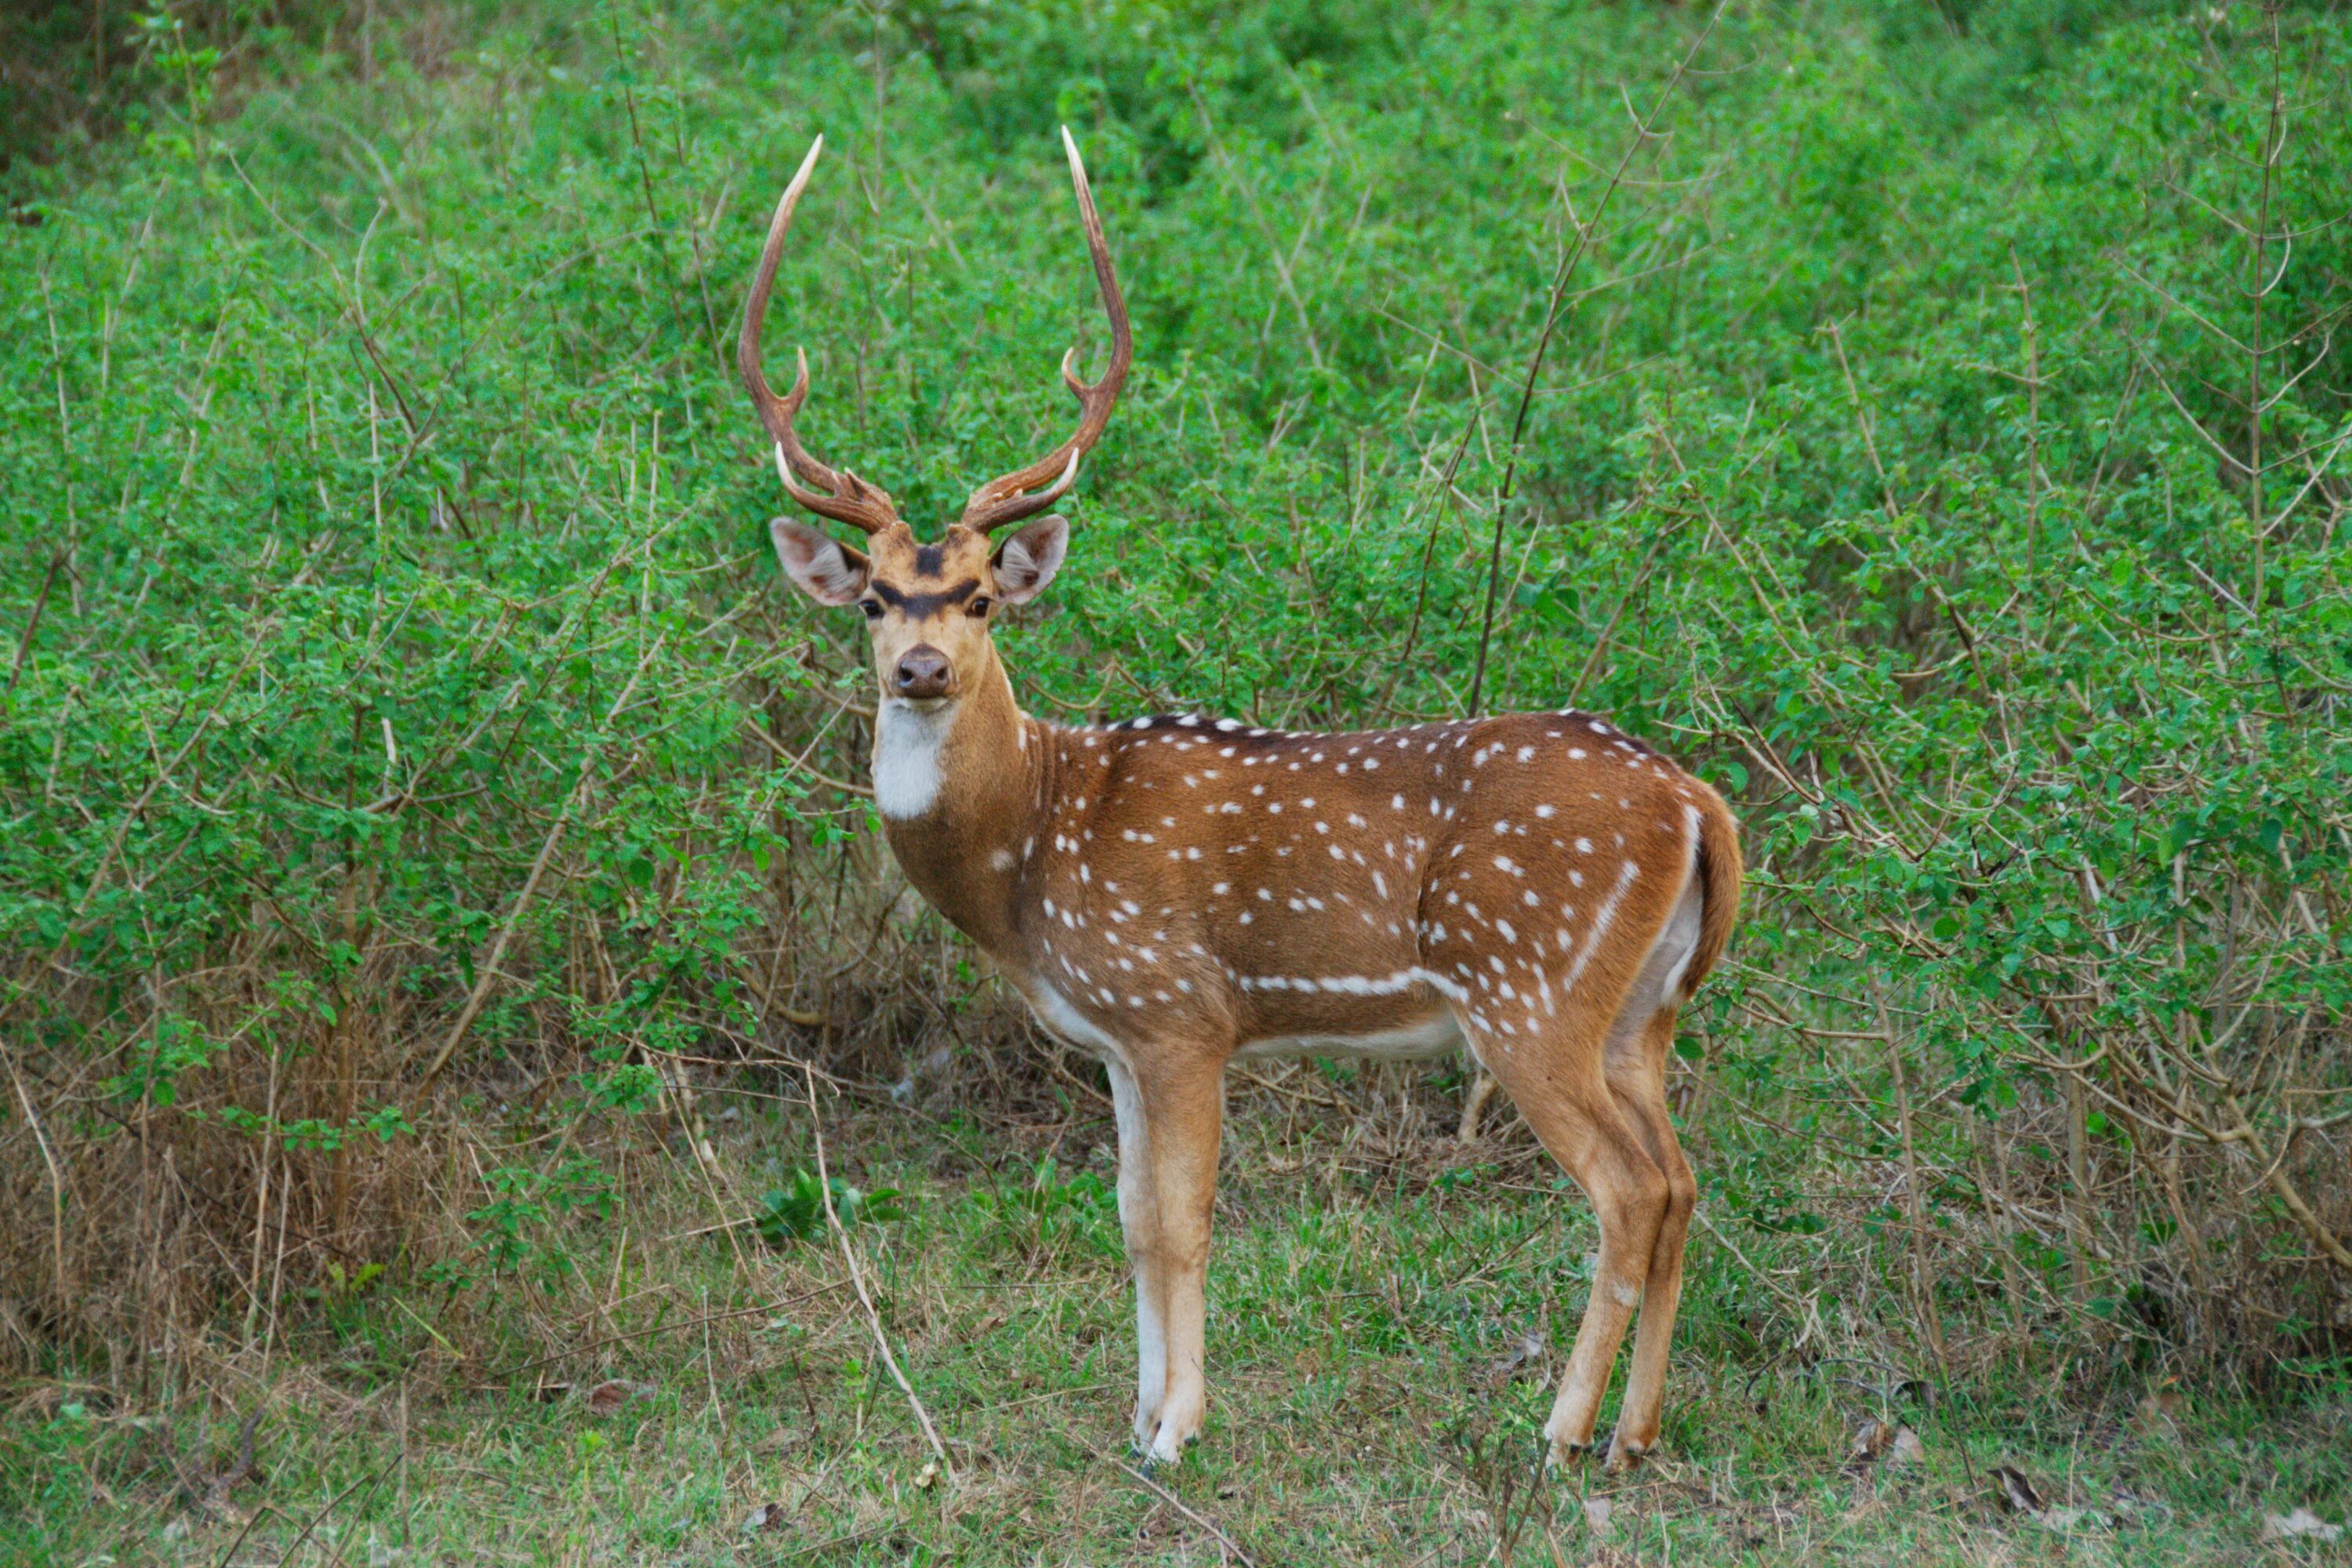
<point x="1434" y="1036"/>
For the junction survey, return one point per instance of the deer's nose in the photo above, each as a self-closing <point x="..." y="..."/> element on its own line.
<point x="924" y="672"/>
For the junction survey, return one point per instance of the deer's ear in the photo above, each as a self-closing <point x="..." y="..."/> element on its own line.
<point x="822" y="567"/>
<point x="1029" y="557"/>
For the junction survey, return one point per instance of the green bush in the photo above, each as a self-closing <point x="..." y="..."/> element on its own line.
<point x="1939" y="447"/>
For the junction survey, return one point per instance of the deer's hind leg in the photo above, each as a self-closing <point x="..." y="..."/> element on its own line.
<point x="1635" y="1065"/>
<point x="1553" y="1073"/>
<point x="1636" y="1073"/>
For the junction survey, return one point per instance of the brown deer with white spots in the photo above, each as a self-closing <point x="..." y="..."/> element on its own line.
<point x="1172" y="893"/>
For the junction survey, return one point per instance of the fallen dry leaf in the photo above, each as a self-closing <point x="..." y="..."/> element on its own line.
<point x="2016" y="1491"/>
<point x="766" y="1518"/>
<point x="1596" y="1511"/>
<point x="1526" y="1351"/>
<point x="608" y="1396"/>
<point x="2301" y="1525"/>
<point x="1870" y="1440"/>
<point x="1875" y="1440"/>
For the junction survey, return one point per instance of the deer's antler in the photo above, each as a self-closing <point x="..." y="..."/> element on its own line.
<point x="1016" y="495"/>
<point x="831" y="492"/>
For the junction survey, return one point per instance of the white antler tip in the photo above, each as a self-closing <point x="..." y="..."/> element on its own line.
<point x="808" y="163"/>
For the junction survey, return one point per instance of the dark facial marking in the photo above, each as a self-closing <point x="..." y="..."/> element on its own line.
<point x="923" y="606"/>
<point x="928" y="558"/>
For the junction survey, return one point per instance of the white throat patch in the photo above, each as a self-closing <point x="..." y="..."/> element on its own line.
<point x="906" y="744"/>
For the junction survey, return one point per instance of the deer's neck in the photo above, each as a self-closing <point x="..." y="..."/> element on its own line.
<point x="959" y="788"/>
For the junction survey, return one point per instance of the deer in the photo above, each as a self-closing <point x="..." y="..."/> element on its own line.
<point x="1172" y="893"/>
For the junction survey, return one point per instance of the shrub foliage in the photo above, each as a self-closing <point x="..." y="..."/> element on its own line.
<point x="406" y="736"/>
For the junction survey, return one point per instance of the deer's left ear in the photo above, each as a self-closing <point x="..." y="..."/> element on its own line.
<point x="1029" y="557"/>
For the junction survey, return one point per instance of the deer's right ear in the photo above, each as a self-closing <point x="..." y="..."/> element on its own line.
<point x="821" y="567"/>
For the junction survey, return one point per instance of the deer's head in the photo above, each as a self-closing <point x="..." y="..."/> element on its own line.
<point x="930" y="606"/>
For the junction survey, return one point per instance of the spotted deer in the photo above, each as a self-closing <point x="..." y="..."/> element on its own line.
<point x="1173" y="893"/>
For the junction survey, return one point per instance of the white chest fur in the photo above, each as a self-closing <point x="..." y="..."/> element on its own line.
<point x="1067" y="1024"/>
<point x="906" y="746"/>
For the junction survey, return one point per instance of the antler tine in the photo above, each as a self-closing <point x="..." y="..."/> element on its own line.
<point x="1014" y="496"/>
<point x="844" y="497"/>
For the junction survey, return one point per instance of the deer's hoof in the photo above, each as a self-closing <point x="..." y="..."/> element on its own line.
<point x="1624" y="1455"/>
<point x="1565" y="1453"/>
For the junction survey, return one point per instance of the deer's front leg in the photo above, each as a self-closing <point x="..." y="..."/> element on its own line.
<point x="1139" y="1217"/>
<point x="1182" y="1101"/>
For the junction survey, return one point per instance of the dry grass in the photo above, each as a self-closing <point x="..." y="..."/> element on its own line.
<point x="1374" y="1402"/>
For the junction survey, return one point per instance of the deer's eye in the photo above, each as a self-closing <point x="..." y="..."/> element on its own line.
<point x="873" y="608"/>
<point x="980" y="605"/>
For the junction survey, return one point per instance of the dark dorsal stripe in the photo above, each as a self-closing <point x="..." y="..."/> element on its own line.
<point x="922" y="606"/>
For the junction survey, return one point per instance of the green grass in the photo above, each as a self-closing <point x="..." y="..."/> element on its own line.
<point x="1363" y="1305"/>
